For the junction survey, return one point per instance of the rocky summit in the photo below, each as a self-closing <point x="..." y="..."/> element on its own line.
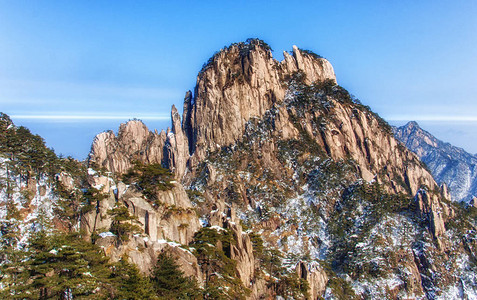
<point x="275" y="183"/>
<point x="448" y="164"/>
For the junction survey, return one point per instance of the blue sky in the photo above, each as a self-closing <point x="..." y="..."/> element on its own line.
<point x="71" y="69"/>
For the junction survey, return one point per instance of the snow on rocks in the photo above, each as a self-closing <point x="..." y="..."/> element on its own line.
<point x="106" y="234"/>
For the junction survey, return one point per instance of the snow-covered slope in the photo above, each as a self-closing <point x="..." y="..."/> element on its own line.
<point x="447" y="163"/>
<point x="23" y="201"/>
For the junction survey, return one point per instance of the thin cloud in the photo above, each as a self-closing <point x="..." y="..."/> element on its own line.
<point x="89" y="117"/>
<point x="441" y="118"/>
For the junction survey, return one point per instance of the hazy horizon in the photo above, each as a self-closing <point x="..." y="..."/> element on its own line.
<point x="55" y="132"/>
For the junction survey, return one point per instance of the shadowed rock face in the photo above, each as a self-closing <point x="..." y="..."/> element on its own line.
<point x="448" y="164"/>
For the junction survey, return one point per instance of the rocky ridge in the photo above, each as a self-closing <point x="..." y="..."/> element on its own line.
<point x="239" y="83"/>
<point x="133" y="142"/>
<point x="448" y="164"/>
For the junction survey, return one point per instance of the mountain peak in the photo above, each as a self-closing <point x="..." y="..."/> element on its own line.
<point x="241" y="82"/>
<point x="242" y="48"/>
<point x="446" y="162"/>
<point x="238" y="83"/>
<point x="412" y="124"/>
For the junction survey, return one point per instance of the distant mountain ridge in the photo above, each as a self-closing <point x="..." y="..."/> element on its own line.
<point x="447" y="163"/>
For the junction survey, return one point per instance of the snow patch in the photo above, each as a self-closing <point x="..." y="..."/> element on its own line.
<point x="106" y="234"/>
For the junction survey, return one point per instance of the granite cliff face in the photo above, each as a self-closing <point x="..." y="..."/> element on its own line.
<point x="448" y="164"/>
<point x="166" y="224"/>
<point x="134" y="142"/>
<point x="295" y="181"/>
<point x="241" y="83"/>
<point x="238" y="83"/>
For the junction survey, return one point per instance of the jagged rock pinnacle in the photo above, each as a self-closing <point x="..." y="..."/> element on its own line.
<point x="239" y="83"/>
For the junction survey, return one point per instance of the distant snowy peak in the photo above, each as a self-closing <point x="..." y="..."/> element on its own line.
<point x="448" y="164"/>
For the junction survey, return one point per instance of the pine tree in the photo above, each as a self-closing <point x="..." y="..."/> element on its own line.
<point x="69" y="207"/>
<point x="149" y="179"/>
<point x="130" y="283"/>
<point x="11" y="253"/>
<point x="65" y="267"/>
<point x="213" y="254"/>
<point x="27" y="152"/>
<point x="169" y="281"/>
<point x="123" y="223"/>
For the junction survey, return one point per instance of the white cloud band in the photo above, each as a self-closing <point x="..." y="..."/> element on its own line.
<point x="89" y="117"/>
<point x="441" y="118"/>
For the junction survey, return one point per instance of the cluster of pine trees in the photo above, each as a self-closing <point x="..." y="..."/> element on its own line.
<point x="149" y="179"/>
<point x="26" y="153"/>
<point x="65" y="266"/>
